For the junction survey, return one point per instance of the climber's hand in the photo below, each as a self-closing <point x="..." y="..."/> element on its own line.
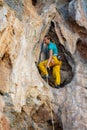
<point x="47" y="66"/>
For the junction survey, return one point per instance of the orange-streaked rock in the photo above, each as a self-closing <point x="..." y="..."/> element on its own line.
<point x="4" y="123"/>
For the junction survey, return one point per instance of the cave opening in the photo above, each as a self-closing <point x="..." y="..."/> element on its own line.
<point x="67" y="71"/>
<point x="34" y="2"/>
<point x="66" y="68"/>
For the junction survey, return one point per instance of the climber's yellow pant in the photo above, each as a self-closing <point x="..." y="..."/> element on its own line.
<point x="56" y="69"/>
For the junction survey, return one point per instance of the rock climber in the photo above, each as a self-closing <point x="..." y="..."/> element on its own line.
<point x="52" y="61"/>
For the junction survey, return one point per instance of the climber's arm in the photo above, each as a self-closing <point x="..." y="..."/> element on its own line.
<point x="50" y="58"/>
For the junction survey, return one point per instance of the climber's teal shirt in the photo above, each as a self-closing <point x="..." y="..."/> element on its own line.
<point x="53" y="47"/>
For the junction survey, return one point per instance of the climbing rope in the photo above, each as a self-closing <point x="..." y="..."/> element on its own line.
<point x="50" y="107"/>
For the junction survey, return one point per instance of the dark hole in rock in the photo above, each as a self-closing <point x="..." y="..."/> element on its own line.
<point x="57" y="124"/>
<point x="82" y="48"/>
<point x="6" y="59"/>
<point x="34" y="2"/>
<point x="68" y="64"/>
<point x="76" y="28"/>
<point x="43" y="117"/>
<point x="5" y="70"/>
<point x="69" y="0"/>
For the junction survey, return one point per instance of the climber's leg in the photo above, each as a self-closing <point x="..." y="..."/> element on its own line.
<point x="56" y="74"/>
<point x="42" y="67"/>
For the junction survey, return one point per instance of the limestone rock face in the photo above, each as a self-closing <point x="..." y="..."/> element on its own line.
<point x="1" y="2"/>
<point x="2" y="104"/>
<point x="4" y="123"/>
<point x="78" y="11"/>
<point x="26" y="100"/>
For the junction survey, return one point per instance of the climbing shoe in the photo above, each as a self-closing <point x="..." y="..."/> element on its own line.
<point x="45" y="77"/>
<point x="57" y="86"/>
